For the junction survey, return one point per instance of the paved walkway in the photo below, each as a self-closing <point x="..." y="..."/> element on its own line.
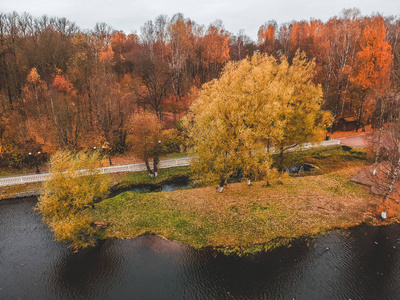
<point x="356" y="141"/>
<point x="179" y="162"/>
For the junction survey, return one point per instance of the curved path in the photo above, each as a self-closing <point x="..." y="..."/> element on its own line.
<point x="360" y="141"/>
<point x="356" y="141"/>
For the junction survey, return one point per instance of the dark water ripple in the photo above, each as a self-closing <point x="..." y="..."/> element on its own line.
<point x="362" y="263"/>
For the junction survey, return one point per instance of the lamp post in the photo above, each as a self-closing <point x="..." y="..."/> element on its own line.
<point x="35" y="157"/>
<point x="30" y="159"/>
<point x="156" y="158"/>
<point x="327" y="127"/>
<point x="37" y="162"/>
<point x="106" y="149"/>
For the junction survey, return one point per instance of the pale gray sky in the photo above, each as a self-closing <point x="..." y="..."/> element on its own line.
<point x="249" y="15"/>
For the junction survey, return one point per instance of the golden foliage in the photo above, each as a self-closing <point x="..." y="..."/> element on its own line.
<point x="146" y="130"/>
<point x="257" y="103"/>
<point x="33" y="76"/>
<point x="106" y="54"/>
<point x="68" y="195"/>
<point x="216" y="49"/>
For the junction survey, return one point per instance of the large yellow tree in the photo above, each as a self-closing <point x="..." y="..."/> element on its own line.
<point x="257" y="103"/>
<point x="300" y="114"/>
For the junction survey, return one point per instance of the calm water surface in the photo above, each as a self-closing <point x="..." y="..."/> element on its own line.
<point x="363" y="263"/>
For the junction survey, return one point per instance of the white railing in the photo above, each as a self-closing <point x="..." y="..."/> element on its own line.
<point x="179" y="162"/>
<point x="169" y="163"/>
<point x="307" y="146"/>
<point x="23" y="179"/>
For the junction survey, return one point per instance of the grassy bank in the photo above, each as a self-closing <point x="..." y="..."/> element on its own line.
<point x="242" y="219"/>
<point x="143" y="178"/>
<point x="14" y="191"/>
<point x="125" y="181"/>
<point x="328" y="159"/>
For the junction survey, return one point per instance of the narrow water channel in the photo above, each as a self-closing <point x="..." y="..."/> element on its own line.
<point x="362" y="263"/>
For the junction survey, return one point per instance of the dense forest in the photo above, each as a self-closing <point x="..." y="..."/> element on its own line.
<point x="64" y="88"/>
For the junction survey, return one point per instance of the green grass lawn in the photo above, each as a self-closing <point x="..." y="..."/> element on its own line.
<point x="328" y="159"/>
<point x="243" y="219"/>
<point x="247" y="219"/>
<point x="176" y="155"/>
<point x="143" y="178"/>
<point x="12" y="191"/>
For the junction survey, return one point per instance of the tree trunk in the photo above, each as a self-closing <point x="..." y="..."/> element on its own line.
<point x="155" y="165"/>
<point x="391" y="186"/>
<point x="221" y="185"/>
<point x="149" y="170"/>
<point x="379" y="140"/>
<point x="360" y="109"/>
<point x="344" y="96"/>
<point x="338" y="99"/>
<point x="280" y="170"/>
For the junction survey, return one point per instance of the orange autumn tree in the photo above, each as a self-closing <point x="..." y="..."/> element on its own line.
<point x="181" y="45"/>
<point x="303" y="36"/>
<point x="64" y="85"/>
<point x="338" y="42"/>
<point x="118" y="40"/>
<point x="66" y="112"/>
<point x="146" y="135"/>
<point x="106" y="54"/>
<point x="34" y="94"/>
<point x="266" y="37"/>
<point x="182" y="50"/>
<point x="374" y="62"/>
<point x="216" y="50"/>
<point x="39" y="130"/>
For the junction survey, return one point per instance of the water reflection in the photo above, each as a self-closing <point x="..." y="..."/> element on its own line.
<point x="86" y="273"/>
<point x="362" y="263"/>
<point x="178" y="185"/>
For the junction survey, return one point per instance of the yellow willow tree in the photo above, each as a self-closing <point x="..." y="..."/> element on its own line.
<point x="300" y="114"/>
<point x="256" y="104"/>
<point x="68" y="197"/>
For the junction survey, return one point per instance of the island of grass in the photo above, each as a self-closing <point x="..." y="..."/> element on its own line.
<point x="246" y="219"/>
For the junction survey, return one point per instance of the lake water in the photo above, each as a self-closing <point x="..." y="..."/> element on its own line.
<point x="362" y="263"/>
<point x="179" y="185"/>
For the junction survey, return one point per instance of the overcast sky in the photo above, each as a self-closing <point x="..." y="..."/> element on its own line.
<point x="129" y="16"/>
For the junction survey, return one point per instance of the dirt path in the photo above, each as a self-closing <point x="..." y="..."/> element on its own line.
<point x="356" y="141"/>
